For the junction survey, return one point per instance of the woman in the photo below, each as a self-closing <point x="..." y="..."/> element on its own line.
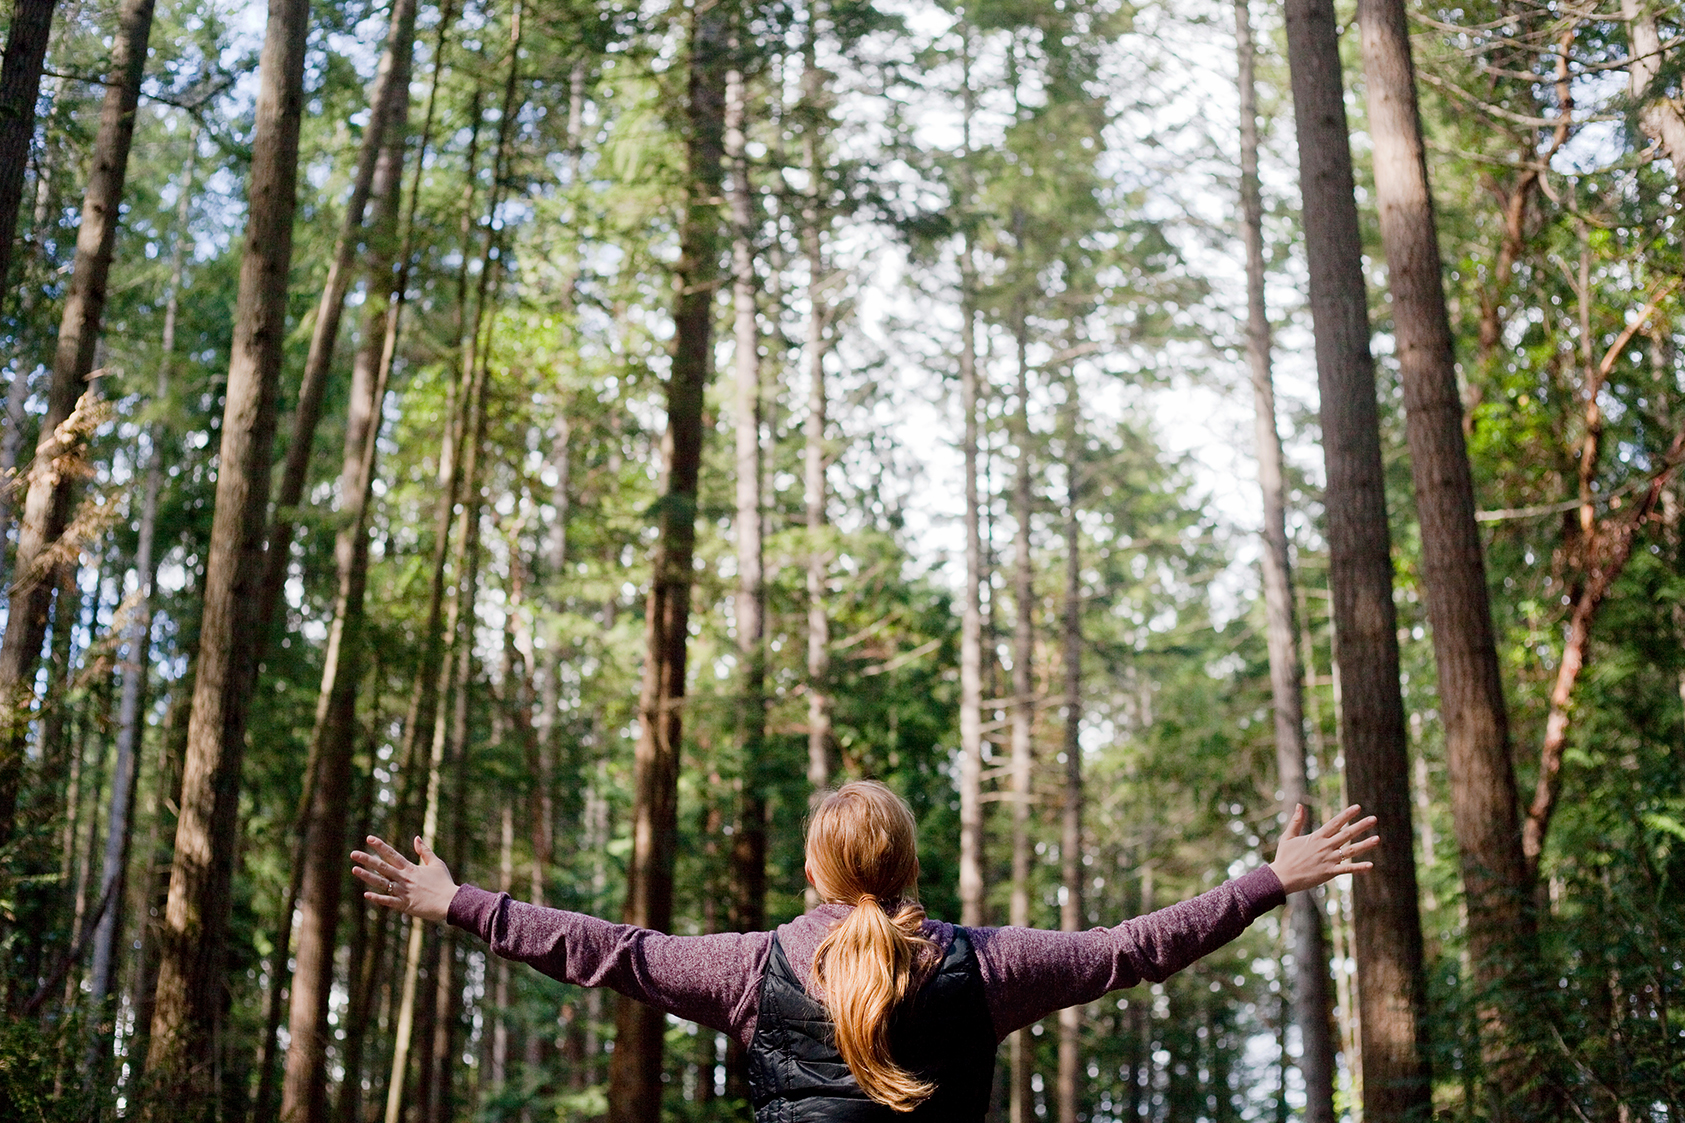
<point x="863" y="1008"/>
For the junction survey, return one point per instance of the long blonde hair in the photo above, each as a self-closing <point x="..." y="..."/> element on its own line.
<point x="862" y="850"/>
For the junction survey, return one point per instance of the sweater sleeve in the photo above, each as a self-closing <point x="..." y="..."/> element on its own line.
<point x="711" y="980"/>
<point x="1029" y="972"/>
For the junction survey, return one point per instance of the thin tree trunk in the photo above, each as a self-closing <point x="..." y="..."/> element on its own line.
<point x="418" y="722"/>
<point x="820" y="749"/>
<point x="47" y="502"/>
<point x="1022" y="1104"/>
<point x="748" y="844"/>
<point x="1470" y="687"/>
<point x="20" y="87"/>
<point x="304" y="1089"/>
<point x="190" y="978"/>
<point x="1310" y="988"/>
<point x="172" y="738"/>
<point x="366" y="939"/>
<point x="388" y="116"/>
<point x="11" y="444"/>
<point x="635" y="1067"/>
<point x="971" y="611"/>
<point x="545" y="734"/>
<point x="1391" y="979"/>
<point x="447" y="995"/>
<point x="497" y="1075"/>
<point x="475" y="352"/>
<point x="466" y="552"/>
<point x="130" y="723"/>
<point x="1070" y="822"/>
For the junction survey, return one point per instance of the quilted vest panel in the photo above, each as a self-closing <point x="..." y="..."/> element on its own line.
<point x="941" y="1033"/>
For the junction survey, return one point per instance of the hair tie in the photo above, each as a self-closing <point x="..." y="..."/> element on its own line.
<point x="865" y="898"/>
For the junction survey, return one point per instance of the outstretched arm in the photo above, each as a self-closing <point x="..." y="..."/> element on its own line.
<point x="1030" y="973"/>
<point x="709" y="979"/>
<point x="423" y="891"/>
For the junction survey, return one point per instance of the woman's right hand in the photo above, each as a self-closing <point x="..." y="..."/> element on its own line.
<point x="423" y="891"/>
<point x="1304" y="861"/>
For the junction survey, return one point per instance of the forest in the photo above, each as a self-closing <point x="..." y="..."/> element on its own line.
<point x="574" y="434"/>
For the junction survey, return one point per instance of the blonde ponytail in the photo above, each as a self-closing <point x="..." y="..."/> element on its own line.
<point x="862" y="851"/>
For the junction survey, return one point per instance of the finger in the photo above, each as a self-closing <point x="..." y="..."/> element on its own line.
<point x="424" y="851"/>
<point x="1333" y="825"/>
<point x="369" y="861"/>
<point x="1352" y="831"/>
<point x="1354" y="867"/>
<point x="381" y="884"/>
<point x="384" y="901"/>
<point x="1363" y="845"/>
<point x="1296" y="822"/>
<point x="388" y="851"/>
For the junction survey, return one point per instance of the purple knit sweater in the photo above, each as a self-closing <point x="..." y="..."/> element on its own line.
<point x="1028" y="973"/>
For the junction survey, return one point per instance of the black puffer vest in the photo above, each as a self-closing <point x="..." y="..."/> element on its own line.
<point x="942" y="1033"/>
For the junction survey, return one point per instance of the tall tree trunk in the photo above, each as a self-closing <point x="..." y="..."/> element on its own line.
<point x="476" y="346"/>
<point x="47" y="503"/>
<point x="815" y="458"/>
<point x="748" y="844"/>
<point x="447" y="995"/>
<point x="1022" y="1106"/>
<point x="971" y="611"/>
<point x="1391" y="980"/>
<point x="130" y="720"/>
<point x="635" y="1067"/>
<point x="1070" y="820"/>
<point x="20" y="87"/>
<point x="304" y="1089"/>
<point x="389" y="102"/>
<point x="143" y="992"/>
<point x="381" y="322"/>
<point x="1311" y="998"/>
<point x="459" y="632"/>
<point x="190" y="981"/>
<point x="367" y="938"/>
<point x="418" y="722"/>
<point x="1471" y="695"/>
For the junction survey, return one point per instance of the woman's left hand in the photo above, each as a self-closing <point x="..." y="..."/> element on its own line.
<point x="1304" y="861"/>
<point x="423" y="891"/>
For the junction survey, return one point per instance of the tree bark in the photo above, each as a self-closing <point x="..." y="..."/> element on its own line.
<point x="1470" y="687"/>
<point x="1022" y="1101"/>
<point x="635" y="1068"/>
<point x="130" y="711"/>
<point x="1070" y="820"/>
<point x="971" y="610"/>
<point x="154" y="897"/>
<point x="388" y="116"/>
<point x="748" y="844"/>
<point x="1391" y="980"/>
<point x="815" y="457"/>
<point x="438" y="1106"/>
<point x="190" y="977"/>
<point x="20" y="87"/>
<point x="52" y="477"/>
<point x="1311" y="998"/>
